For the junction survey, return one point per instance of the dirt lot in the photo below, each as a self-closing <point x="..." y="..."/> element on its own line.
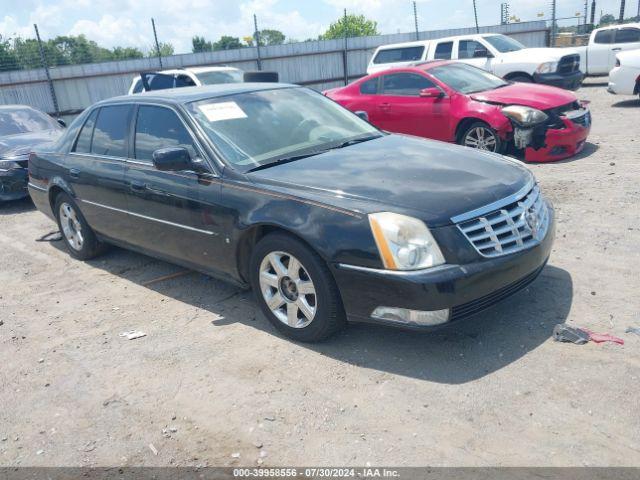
<point x="212" y="383"/>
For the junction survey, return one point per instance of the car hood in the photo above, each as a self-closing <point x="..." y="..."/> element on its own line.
<point x="22" y="144"/>
<point x="536" y="55"/>
<point x="432" y="180"/>
<point x="533" y="95"/>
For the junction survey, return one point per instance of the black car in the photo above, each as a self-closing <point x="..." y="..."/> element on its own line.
<point x="21" y="129"/>
<point x="276" y="187"/>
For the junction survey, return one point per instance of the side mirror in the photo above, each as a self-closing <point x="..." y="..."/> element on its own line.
<point x="431" y="92"/>
<point x="172" y="159"/>
<point x="482" y="53"/>
<point x="61" y="122"/>
<point x="362" y="114"/>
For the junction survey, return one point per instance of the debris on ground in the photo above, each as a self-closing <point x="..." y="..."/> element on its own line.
<point x="133" y="334"/>
<point x="564" y="333"/>
<point x="635" y="330"/>
<point x="235" y="455"/>
<point x="153" y="449"/>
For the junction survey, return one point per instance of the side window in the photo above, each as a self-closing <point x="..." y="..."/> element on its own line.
<point x="443" y="51"/>
<point x="137" y="88"/>
<point x="406" y="84"/>
<point x="604" y="36"/>
<point x="404" y="54"/>
<point x="471" y="49"/>
<point x="83" y="143"/>
<point x="184" y="81"/>
<point x="370" y="87"/>
<point x="109" y="136"/>
<point x="159" y="127"/>
<point x="627" y="35"/>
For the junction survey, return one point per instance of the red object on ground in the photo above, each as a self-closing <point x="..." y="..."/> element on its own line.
<point x="603" y="337"/>
<point x="448" y="116"/>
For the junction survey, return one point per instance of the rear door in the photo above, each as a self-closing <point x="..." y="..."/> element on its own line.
<point x="166" y="212"/>
<point x="390" y="57"/>
<point x="403" y="110"/>
<point x="442" y="51"/>
<point x="626" y="38"/>
<point x="600" y="52"/>
<point x="95" y="169"/>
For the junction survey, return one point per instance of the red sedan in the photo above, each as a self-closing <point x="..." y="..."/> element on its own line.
<point x="456" y="102"/>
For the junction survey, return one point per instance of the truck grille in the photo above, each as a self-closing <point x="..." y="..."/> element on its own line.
<point x="569" y="64"/>
<point x="516" y="226"/>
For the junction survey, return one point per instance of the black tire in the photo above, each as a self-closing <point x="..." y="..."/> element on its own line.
<point x="90" y="246"/>
<point x="271" y="77"/>
<point x="521" y="79"/>
<point x="329" y="314"/>
<point x="464" y="139"/>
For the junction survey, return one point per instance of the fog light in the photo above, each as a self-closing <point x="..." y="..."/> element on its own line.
<point x="411" y="317"/>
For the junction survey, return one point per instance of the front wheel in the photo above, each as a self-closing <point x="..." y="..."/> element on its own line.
<point x="78" y="236"/>
<point x="295" y="289"/>
<point x="481" y="136"/>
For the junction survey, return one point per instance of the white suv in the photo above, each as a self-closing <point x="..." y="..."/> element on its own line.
<point x="184" y="77"/>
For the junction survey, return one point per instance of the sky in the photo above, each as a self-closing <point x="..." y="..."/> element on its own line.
<point x="127" y="22"/>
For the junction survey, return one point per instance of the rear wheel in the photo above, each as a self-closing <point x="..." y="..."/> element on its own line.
<point x="78" y="236"/>
<point x="295" y="289"/>
<point x="481" y="136"/>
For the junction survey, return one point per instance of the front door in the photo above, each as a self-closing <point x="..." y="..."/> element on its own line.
<point x="405" y="111"/>
<point x="165" y="206"/>
<point x="474" y="53"/>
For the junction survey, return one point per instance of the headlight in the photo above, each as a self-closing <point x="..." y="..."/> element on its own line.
<point x="8" y="165"/>
<point x="547" y="67"/>
<point x="524" y="116"/>
<point x="404" y="243"/>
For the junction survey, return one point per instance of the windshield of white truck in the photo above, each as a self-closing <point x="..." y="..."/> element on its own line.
<point x="504" y="44"/>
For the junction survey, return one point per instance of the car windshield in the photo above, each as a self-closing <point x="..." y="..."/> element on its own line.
<point x="256" y="129"/>
<point x="465" y="78"/>
<point x="503" y="43"/>
<point x="16" y="121"/>
<point x="226" y="76"/>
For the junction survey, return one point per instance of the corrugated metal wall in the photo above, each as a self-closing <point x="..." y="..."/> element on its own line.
<point x="318" y="64"/>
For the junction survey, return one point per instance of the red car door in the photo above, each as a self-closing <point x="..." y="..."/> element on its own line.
<point x="401" y="109"/>
<point x="364" y="97"/>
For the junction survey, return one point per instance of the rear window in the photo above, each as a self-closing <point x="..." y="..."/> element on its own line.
<point x="111" y="130"/>
<point x="443" y="51"/>
<point x="604" y="36"/>
<point x="628" y="35"/>
<point x="83" y="143"/>
<point x="15" y="121"/>
<point x="403" y="54"/>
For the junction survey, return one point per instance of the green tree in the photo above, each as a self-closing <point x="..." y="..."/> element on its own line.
<point x="351" y="26"/>
<point x="8" y="58"/>
<point x="227" y="43"/>
<point x="166" y="50"/>
<point x="126" y="53"/>
<point x="607" y="19"/>
<point x="271" y="37"/>
<point x="199" y="44"/>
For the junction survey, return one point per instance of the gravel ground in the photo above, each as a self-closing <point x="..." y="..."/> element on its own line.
<point x="213" y="383"/>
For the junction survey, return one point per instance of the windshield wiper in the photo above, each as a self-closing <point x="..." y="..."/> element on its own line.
<point x="280" y="161"/>
<point x="353" y="141"/>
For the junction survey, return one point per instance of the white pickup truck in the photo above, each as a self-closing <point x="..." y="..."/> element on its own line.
<point x="498" y="54"/>
<point x="599" y="56"/>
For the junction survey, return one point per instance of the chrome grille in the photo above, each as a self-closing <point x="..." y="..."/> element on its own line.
<point x="569" y="64"/>
<point x="515" y="226"/>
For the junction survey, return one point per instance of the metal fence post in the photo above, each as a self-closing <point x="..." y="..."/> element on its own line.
<point x="621" y="17"/>
<point x="593" y="12"/>
<point x="415" y="19"/>
<point x="257" y="38"/>
<point x="553" y="23"/>
<point x="155" y="37"/>
<point x="43" y="60"/>
<point x="344" y="52"/>
<point x="475" y="14"/>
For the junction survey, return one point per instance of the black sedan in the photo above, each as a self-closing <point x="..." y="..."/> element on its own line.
<point x="277" y="187"/>
<point x="21" y="129"/>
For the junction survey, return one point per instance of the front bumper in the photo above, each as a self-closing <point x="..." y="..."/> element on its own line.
<point x="569" y="81"/>
<point x="465" y="289"/>
<point x="13" y="184"/>
<point x="560" y="143"/>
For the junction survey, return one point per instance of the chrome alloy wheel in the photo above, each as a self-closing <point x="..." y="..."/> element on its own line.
<point x="481" y="138"/>
<point x="71" y="226"/>
<point x="288" y="289"/>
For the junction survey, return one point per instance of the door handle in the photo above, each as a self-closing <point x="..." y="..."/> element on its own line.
<point x="74" y="172"/>
<point x="385" y="106"/>
<point x="137" y="186"/>
<point x="617" y="49"/>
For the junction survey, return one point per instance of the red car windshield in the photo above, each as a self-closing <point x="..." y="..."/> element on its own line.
<point x="465" y="78"/>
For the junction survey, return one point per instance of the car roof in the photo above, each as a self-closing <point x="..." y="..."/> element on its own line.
<point x="193" y="94"/>
<point x="618" y="25"/>
<point x="443" y="39"/>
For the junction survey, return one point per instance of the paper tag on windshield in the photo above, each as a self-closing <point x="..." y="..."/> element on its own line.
<point x="216" y="112"/>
